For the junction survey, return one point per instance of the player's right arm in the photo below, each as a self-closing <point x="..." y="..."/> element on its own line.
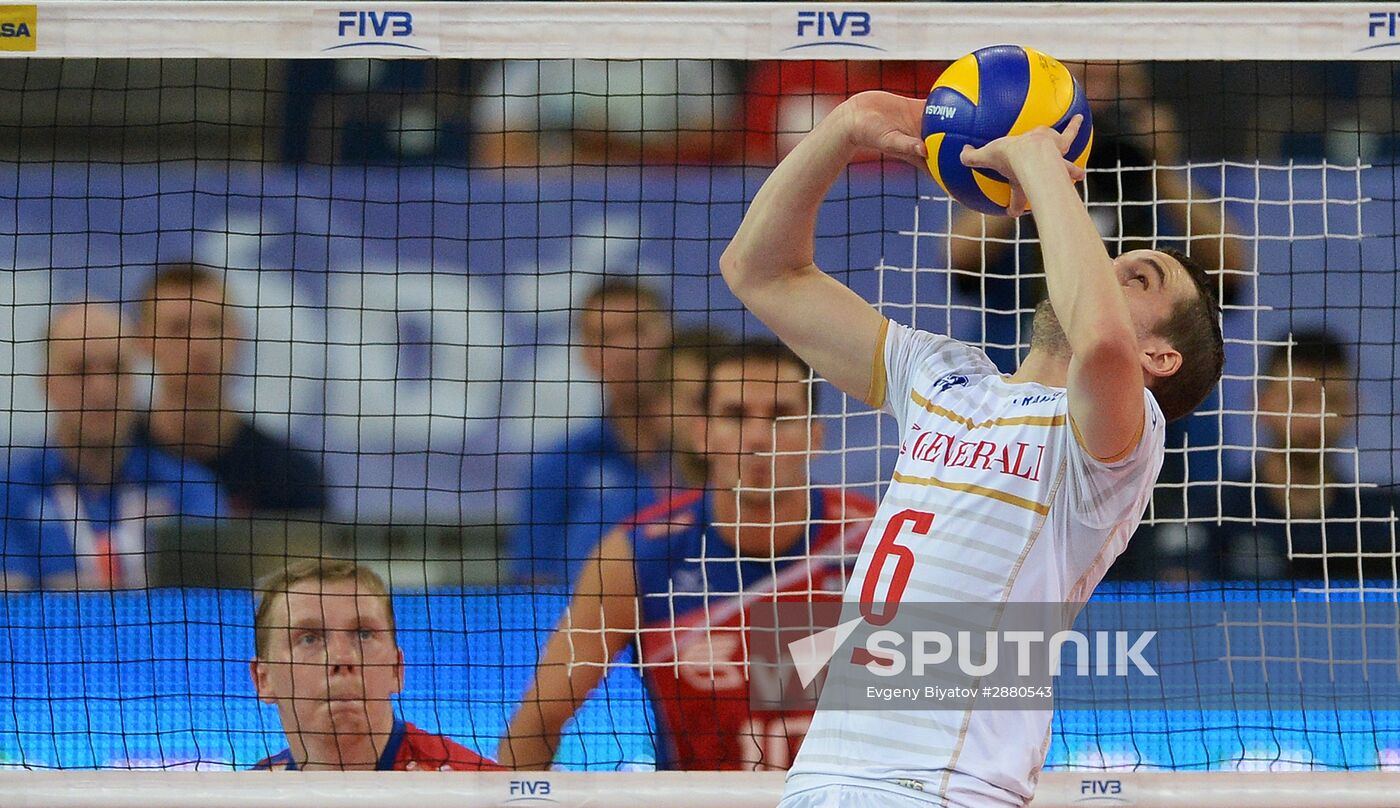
<point x="1106" y="378"/>
<point x="599" y="622"/>
<point x="770" y="266"/>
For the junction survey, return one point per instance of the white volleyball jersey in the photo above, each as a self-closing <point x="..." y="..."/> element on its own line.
<point x="1022" y="513"/>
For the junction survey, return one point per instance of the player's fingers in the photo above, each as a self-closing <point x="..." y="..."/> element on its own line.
<point x="1071" y="132"/>
<point x="1076" y="172"/>
<point x="905" y="147"/>
<point x="916" y="148"/>
<point x="1018" y="202"/>
<point x="973" y="158"/>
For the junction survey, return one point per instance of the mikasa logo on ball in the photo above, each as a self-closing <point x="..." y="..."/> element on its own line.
<point x="941" y="111"/>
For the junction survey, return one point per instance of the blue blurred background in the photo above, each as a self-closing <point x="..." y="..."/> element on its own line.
<point x="159" y="679"/>
<point x="412" y="324"/>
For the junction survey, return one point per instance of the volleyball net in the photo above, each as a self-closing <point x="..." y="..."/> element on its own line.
<point x="410" y="212"/>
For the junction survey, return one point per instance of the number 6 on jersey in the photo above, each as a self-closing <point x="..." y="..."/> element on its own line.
<point x="919" y="522"/>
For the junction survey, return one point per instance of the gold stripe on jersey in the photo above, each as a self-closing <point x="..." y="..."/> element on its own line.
<point x="1114" y="458"/>
<point x="978" y="490"/>
<point x="875" y="396"/>
<point x="1018" y="420"/>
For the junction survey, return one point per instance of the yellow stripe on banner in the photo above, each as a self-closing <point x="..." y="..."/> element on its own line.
<point x="977" y="490"/>
<point x="19" y="28"/>
<point x="1049" y="95"/>
<point x="1019" y="420"/>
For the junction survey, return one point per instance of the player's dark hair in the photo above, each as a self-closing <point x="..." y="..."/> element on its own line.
<point x="648" y="299"/>
<point x="183" y="278"/>
<point x="769" y="350"/>
<point x="1323" y="352"/>
<point x="1193" y="329"/>
<point x="699" y="342"/>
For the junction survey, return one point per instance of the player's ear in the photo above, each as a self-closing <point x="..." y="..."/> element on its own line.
<point x="260" y="684"/>
<point x="817" y="430"/>
<point x="398" y="673"/>
<point x="1160" y="360"/>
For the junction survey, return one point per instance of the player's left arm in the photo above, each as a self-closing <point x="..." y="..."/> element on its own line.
<point x="600" y="620"/>
<point x="1105" y="373"/>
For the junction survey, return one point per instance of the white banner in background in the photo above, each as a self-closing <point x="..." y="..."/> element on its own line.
<point x="671" y="30"/>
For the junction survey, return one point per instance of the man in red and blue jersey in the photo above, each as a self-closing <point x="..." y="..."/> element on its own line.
<point x="328" y="658"/>
<point x="681" y="578"/>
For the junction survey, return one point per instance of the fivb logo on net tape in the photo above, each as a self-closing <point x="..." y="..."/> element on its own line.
<point x="1382" y="30"/>
<point x="370" y="30"/>
<point x="831" y="29"/>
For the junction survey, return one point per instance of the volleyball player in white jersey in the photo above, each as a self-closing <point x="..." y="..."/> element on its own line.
<point x="1010" y="489"/>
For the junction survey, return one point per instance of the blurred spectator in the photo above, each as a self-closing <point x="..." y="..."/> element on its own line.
<point x="1296" y="501"/>
<point x="328" y="657"/>
<point x="193" y="339"/>
<point x="784" y="100"/>
<point x="609" y="468"/>
<point x="758" y="532"/>
<point x="76" y="510"/>
<point x="687" y="363"/>
<point x="592" y="112"/>
<point x="1132" y="131"/>
<point x="376" y="111"/>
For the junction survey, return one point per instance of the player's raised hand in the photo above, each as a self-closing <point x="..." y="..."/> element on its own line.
<point x="1004" y="154"/>
<point x="888" y="123"/>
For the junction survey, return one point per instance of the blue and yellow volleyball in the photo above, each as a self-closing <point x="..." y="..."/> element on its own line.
<point x="990" y="93"/>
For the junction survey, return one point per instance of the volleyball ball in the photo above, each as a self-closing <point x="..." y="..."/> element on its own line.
<point x="990" y="93"/>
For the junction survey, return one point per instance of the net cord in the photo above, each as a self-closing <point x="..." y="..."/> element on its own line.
<point x="669" y="30"/>
<point x="647" y="790"/>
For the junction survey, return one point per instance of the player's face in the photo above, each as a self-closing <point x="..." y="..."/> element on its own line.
<point x="1311" y="409"/>
<point x="758" y="431"/>
<point x="193" y="341"/>
<point x="87" y="385"/>
<point x="332" y="663"/>
<point x="622" y="342"/>
<point x="1153" y="283"/>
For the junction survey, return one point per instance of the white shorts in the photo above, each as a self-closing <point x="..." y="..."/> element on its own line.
<point x="845" y="795"/>
<point x="835" y="791"/>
